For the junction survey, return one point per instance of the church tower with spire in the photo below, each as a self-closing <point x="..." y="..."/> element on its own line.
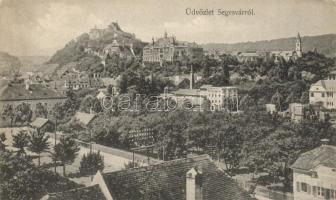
<point x="298" y="46"/>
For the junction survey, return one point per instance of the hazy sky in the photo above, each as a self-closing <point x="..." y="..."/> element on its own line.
<point x="40" y="27"/>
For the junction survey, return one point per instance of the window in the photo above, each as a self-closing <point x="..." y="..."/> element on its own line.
<point x="312" y="94"/>
<point x="304" y="187"/>
<point x="298" y="186"/>
<point x="322" y="94"/>
<point x="314" y="191"/>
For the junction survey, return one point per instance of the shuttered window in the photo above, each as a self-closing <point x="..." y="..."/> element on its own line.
<point x="308" y="189"/>
<point x="314" y="191"/>
<point x="304" y="187"/>
<point x="298" y="186"/>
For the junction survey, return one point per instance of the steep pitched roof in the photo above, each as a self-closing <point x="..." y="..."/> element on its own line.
<point x="84" y="118"/>
<point x="86" y="193"/>
<point x="323" y="155"/>
<point x="167" y="181"/>
<point x="35" y="91"/>
<point x="329" y="85"/>
<point x="39" y="122"/>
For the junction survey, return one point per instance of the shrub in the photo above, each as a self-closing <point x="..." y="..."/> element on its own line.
<point x="91" y="163"/>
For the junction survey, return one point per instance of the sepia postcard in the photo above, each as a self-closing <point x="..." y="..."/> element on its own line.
<point x="168" y="100"/>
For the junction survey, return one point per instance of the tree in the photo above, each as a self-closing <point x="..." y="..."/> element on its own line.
<point x="20" y="179"/>
<point x="65" y="151"/>
<point x="9" y="113"/>
<point x="38" y="143"/>
<point x="58" y="113"/>
<point x="41" y="110"/>
<point x="109" y="89"/>
<point x="91" y="163"/>
<point x="3" y="137"/>
<point x="90" y="103"/>
<point x="277" y="99"/>
<point x="21" y="141"/>
<point x="71" y="104"/>
<point x="23" y="113"/>
<point x="2" y="141"/>
<point x="304" y="97"/>
<point x="246" y="102"/>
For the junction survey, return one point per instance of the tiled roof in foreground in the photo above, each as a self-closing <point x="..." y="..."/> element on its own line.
<point x="86" y="193"/>
<point x="164" y="181"/>
<point x="167" y="181"/>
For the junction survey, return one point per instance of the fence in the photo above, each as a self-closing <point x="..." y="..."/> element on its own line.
<point x="266" y="193"/>
<point x="263" y="193"/>
<point x="113" y="151"/>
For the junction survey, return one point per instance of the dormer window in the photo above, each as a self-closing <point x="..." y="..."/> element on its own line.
<point x="314" y="175"/>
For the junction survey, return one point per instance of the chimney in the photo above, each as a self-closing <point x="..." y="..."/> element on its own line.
<point x="27" y="85"/>
<point x="324" y="141"/>
<point x="191" y="78"/>
<point x="194" y="184"/>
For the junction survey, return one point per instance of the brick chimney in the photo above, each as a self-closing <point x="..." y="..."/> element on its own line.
<point x="194" y="184"/>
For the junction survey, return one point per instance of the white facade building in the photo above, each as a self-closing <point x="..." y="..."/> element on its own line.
<point x="324" y="92"/>
<point x="220" y="96"/>
<point x="314" y="174"/>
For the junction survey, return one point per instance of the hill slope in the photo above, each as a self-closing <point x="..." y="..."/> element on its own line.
<point x="96" y="39"/>
<point x="325" y="44"/>
<point x="8" y="63"/>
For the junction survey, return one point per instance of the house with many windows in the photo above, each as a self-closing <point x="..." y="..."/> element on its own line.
<point x="324" y="92"/>
<point x="314" y="174"/>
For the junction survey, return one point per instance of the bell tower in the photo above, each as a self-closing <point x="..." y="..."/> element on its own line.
<point x="298" y="46"/>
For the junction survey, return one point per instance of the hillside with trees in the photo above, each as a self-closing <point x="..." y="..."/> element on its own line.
<point x="96" y="40"/>
<point x="324" y="44"/>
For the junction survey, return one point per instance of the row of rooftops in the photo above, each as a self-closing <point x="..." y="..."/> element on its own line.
<point x="168" y="180"/>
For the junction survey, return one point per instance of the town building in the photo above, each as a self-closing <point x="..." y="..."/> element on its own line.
<point x="31" y="94"/>
<point x="289" y="55"/>
<point x="275" y="55"/>
<point x="252" y="56"/>
<point x="168" y="49"/>
<point x="314" y="174"/>
<point x="220" y="97"/>
<point x="193" y="178"/>
<point x="324" y="92"/>
<point x="42" y="125"/>
<point x="271" y="108"/>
